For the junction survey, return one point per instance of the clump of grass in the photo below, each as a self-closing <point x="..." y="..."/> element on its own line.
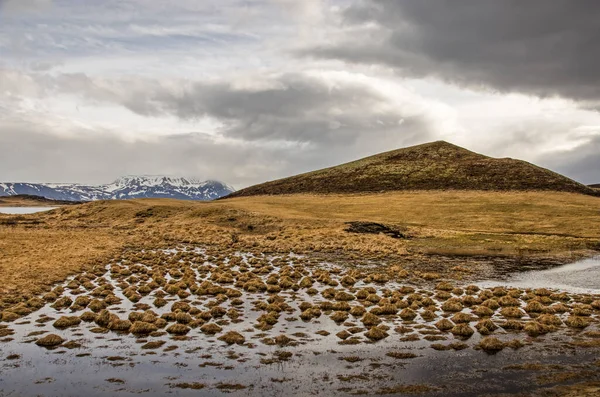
<point x="369" y="319"/>
<point x="462" y="317"/>
<point x="499" y="291"/>
<point x="160" y="302"/>
<point x="373" y="298"/>
<point x="440" y="347"/>
<point x="376" y="333"/>
<point x="549" y="319"/>
<point x="351" y="359"/>
<point x="533" y="328"/>
<point x="407" y="314"/>
<point x="233" y="337"/>
<point x="272" y="317"/>
<point x="483" y="311"/>
<point x="119" y="325"/>
<point x="103" y="318"/>
<point x="178" y="329"/>
<point x="512" y="312"/>
<point x="153" y="345"/>
<point x="444" y="324"/>
<point x="509" y="301"/>
<point x="405" y="389"/>
<point x="284" y="340"/>
<point x="358" y="311"/>
<point x="458" y="346"/>
<point x="491" y="345"/>
<point x="582" y="310"/>
<point x="515" y="344"/>
<point x="180" y="306"/>
<point x="7" y="332"/>
<point x="81" y="302"/>
<point x="210" y="329"/>
<point x="96" y="305"/>
<point x="559" y="308"/>
<point x="542" y="292"/>
<point x="401" y="355"/>
<point x="470" y="300"/>
<point x="577" y="321"/>
<point x="385" y="309"/>
<point x="512" y="325"/>
<point x="491" y="303"/>
<point x="339" y="316"/>
<point x="462" y="330"/>
<point x="186" y="385"/>
<point x="444" y="286"/>
<point x="452" y="305"/>
<point x="66" y="322"/>
<point x="72" y="345"/>
<point x="142" y="328"/>
<point x="428" y="315"/>
<point x="183" y="318"/>
<point x="534" y="306"/>
<point x="61" y="303"/>
<point x="486" y="326"/>
<point x="50" y="340"/>
<point x="344" y="296"/>
<point x="230" y="386"/>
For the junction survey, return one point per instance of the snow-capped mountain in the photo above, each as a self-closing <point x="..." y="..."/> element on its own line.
<point x="128" y="187"/>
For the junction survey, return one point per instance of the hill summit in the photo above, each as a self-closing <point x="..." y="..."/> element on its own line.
<point x="432" y="166"/>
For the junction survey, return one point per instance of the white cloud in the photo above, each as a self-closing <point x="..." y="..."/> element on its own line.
<point x="216" y="88"/>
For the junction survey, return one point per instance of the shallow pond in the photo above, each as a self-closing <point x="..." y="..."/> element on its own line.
<point x="96" y="361"/>
<point x="24" y="210"/>
<point x="579" y="277"/>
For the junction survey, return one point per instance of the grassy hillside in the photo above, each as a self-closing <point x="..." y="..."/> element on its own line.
<point x="432" y="166"/>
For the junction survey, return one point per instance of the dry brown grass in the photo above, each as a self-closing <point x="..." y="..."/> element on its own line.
<point x="41" y="249"/>
<point x="32" y="259"/>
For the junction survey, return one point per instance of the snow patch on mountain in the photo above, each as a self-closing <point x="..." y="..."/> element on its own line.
<point x="127" y="187"/>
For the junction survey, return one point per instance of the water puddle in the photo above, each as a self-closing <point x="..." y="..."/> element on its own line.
<point x="579" y="277"/>
<point x="24" y="210"/>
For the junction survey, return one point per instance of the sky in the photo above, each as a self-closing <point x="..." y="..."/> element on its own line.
<point x="246" y="91"/>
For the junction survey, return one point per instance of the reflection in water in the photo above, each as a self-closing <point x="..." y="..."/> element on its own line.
<point x="579" y="277"/>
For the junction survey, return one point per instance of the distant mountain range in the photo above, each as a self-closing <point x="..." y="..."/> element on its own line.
<point x="431" y="166"/>
<point x="128" y="187"/>
<point x="596" y="186"/>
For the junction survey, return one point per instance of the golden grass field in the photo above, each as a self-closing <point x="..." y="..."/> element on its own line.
<point x="41" y="249"/>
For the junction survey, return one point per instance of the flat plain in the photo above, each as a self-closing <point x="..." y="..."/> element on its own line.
<point x="381" y="287"/>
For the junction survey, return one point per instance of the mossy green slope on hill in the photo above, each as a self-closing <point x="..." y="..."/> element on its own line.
<point x="431" y="166"/>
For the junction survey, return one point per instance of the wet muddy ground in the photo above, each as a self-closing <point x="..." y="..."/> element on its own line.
<point x="189" y="321"/>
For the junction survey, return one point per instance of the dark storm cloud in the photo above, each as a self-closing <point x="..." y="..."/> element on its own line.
<point x="536" y="46"/>
<point x="275" y="128"/>
<point x="291" y="107"/>
<point x="581" y="163"/>
<point x="101" y="156"/>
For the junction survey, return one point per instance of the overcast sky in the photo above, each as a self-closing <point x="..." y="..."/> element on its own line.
<point x="248" y="91"/>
